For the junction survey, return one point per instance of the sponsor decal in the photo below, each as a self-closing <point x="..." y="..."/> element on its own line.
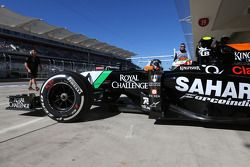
<point x="204" y="51"/>
<point x="211" y="69"/>
<point x="242" y="56"/>
<point x="154" y="96"/>
<point x="146" y="100"/>
<point x="145" y="103"/>
<point x="155" y="81"/>
<point x="241" y="63"/>
<point x="211" y="88"/>
<point x="19" y="103"/>
<point x="154" y="91"/>
<point x="44" y="108"/>
<point x="229" y="101"/>
<point x="49" y="84"/>
<point x="74" y="111"/>
<point x="76" y="106"/>
<point x="129" y="82"/>
<point x="187" y="68"/>
<point x="241" y="70"/>
<point x="101" y="78"/>
<point x="154" y="84"/>
<point x="155" y="104"/>
<point x="154" y="78"/>
<point x="203" y="22"/>
<point x="75" y="85"/>
<point x="101" y="68"/>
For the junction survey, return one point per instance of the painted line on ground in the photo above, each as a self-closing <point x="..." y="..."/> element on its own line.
<point x="20" y="85"/>
<point x="20" y="125"/>
<point x="11" y="86"/>
<point x="1" y="104"/>
<point x="130" y="132"/>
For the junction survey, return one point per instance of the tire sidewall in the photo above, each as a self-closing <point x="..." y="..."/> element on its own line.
<point x="78" y="88"/>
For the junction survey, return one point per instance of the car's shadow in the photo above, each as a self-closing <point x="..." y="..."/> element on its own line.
<point x="103" y="111"/>
<point x="99" y="111"/>
<point x="36" y="113"/>
<point x="212" y="125"/>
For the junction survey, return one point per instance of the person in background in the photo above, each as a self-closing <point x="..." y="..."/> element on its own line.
<point x="182" y="53"/>
<point x="31" y="64"/>
<point x="181" y="58"/>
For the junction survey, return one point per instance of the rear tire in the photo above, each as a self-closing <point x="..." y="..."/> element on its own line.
<point x="66" y="96"/>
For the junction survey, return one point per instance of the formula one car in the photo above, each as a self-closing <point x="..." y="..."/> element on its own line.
<point x="215" y="88"/>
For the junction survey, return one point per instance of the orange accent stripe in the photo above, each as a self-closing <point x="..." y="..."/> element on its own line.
<point x="240" y="47"/>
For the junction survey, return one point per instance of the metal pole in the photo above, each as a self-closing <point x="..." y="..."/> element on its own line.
<point x="62" y="65"/>
<point x="4" y="60"/>
<point x="50" y="67"/>
<point x="10" y="65"/>
<point x="149" y="57"/>
<point x="73" y="66"/>
<point x="54" y="65"/>
<point x="88" y="58"/>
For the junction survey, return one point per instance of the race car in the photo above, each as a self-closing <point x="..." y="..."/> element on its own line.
<point x="215" y="88"/>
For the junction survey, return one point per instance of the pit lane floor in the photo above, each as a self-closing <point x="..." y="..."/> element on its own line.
<point x="107" y="138"/>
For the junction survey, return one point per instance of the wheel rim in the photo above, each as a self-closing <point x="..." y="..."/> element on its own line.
<point x="62" y="97"/>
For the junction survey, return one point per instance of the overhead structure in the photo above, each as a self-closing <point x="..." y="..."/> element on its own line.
<point x="38" y="27"/>
<point x="216" y="18"/>
<point x="76" y="38"/>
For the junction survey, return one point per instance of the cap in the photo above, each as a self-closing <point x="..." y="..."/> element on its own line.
<point x="182" y="44"/>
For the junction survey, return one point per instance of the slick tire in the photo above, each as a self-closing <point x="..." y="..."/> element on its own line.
<point x="66" y="96"/>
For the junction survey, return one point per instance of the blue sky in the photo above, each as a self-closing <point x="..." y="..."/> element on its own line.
<point x="146" y="27"/>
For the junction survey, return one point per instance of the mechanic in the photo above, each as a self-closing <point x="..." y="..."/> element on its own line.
<point x="182" y="53"/>
<point x="153" y="65"/>
<point x="31" y="64"/>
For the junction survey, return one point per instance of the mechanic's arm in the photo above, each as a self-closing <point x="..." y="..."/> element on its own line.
<point x="175" y="56"/>
<point x="26" y="67"/>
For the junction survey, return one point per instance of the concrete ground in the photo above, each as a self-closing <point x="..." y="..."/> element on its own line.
<point x="108" y="138"/>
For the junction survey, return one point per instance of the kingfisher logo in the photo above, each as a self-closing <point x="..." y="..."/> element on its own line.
<point x="242" y="56"/>
<point x="187" y="68"/>
<point x="241" y="70"/>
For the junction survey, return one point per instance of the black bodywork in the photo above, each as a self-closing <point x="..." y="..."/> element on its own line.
<point x="162" y="99"/>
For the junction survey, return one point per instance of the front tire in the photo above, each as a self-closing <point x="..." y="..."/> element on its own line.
<point x="66" y="96"/>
